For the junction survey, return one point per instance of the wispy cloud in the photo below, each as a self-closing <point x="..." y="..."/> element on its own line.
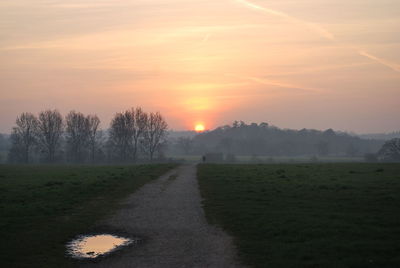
<point x="82" y="5"/>
<point x="265" y="81"/>
<point x="395" y="67"/>
<point x="321" y="31"/>
<point x="318" y="29"/>
<point x="318" y="69"/>
<point x="120" y="38"/>
<point x="273" y="82"/>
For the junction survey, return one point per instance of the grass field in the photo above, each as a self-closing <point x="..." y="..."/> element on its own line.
<point x="42" y="207"/>
<point x="307" y="215"/>
<point x="248" y="159"/>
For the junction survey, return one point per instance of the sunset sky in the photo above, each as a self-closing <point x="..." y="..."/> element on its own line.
<point x="292" y="63"/>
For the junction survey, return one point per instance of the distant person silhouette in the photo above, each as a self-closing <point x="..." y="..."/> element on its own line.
<point x="204" y="158"/>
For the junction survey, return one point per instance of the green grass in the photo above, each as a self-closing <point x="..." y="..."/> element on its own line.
<point x="42" y="207"/>
<point x="307" y="215"/>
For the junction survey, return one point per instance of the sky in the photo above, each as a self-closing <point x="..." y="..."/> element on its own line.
<point x="291" y="63"/>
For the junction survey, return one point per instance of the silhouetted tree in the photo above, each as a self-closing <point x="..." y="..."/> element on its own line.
<point x="77" y="135"/>
<point x="154" y="134"/>
<point x="264" y="139"/>
<point x="139" y="119"/>
<point x="50" y="129"/>
<point x="390" y="151"/>
<point x="93" y="134"/>
<point x="126" y="131"/>
<point x="121" y="135"/>
<point x="23" y="137"/>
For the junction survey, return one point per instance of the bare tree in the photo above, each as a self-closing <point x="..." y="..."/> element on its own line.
<point x="139" y="126"/>
<point x="121" y="135"/>
<point x="126" y="131"/>
<point x="155" y="133"/>
<point x="77" y="135"/>
<point x="93" y="134"/>
<point x="50" y="129"/>
<point x="23" y="136"/>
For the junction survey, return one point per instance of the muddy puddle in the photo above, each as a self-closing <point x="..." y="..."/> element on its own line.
<point x="93" y="246"/>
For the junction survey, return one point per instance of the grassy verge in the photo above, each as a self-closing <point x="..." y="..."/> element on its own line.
<point x="41" y="207"/>
<point x="307" y="215"/>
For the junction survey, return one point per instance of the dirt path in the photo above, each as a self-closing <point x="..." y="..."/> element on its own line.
<point x="168" y="215"/>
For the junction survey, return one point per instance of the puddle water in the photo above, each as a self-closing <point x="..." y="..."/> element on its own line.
<point x="93" y="246"/>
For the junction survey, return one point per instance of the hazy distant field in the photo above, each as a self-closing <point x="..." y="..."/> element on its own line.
<point x="276" y="159"/>
<point x="3" y="156"/>
<point x="41" y="207"/>
<point x="307" y="215"/>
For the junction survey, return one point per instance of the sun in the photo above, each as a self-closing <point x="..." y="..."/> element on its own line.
<point x="199" y="128"/>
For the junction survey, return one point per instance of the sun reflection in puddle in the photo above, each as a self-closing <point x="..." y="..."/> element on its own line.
<point x="93" y="246"/>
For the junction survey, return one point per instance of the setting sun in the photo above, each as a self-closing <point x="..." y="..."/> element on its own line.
<point x="199" y="127"/>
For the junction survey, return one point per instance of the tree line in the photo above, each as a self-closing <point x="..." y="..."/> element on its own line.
<point x="263" y="139"/>
<point x="133" y="135"/>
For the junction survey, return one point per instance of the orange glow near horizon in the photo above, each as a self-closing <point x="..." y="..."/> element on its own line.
<point x="199" y="127"/>
<point x="209" y="63"/>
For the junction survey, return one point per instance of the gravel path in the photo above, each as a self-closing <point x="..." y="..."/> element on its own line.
<point x="168" y="215"/>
